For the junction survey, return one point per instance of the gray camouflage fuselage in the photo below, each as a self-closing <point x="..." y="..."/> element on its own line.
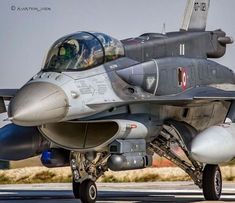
<point x="140" y="87"/>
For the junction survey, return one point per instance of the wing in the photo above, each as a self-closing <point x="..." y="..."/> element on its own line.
<point x="6" y="94"/>
<point x="189" y="96"/>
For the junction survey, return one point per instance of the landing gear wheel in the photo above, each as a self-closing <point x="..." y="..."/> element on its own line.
<point x="212" y="182"/>
<point x="88" y="191"/>
<point x="76" y="189"/>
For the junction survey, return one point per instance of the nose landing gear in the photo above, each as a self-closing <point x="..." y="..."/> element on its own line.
<point x="86" y="170"/>
<point x="86" y="191"/>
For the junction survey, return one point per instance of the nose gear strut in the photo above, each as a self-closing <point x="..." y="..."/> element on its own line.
<point x="85" y="171"/>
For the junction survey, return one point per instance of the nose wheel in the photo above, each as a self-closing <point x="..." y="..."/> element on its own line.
<point x="212" y="182"/>
<point x="86" y="191"/>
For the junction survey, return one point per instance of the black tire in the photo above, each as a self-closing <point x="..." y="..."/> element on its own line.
<point x="212" y="182"/>
<point x="76" y="189"/>
<point x="88" y="191"/>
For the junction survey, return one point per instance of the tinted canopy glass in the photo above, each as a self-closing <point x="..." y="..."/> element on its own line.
<point x="113" y="48"/>
<point x="81" y="51"/>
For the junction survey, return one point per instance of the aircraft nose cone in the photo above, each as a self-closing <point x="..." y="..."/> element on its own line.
<point x="38" y="103"/>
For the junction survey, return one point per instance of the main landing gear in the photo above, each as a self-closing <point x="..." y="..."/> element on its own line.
<point x="86" y="169"/>
<point x="207" y="177"/>
<point x="212" y="182"/>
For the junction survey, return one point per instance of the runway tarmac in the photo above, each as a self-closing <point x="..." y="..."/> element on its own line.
<point x="112" y="193"/>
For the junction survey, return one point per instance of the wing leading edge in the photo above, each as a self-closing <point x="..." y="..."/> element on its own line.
<point x="191" y="95"/>
<point x="6" y="95"/>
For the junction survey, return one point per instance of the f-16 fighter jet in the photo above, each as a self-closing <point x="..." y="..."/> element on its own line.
<point x="99" y="103"/>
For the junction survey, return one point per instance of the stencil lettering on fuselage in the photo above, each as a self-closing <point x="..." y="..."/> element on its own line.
<point x="92" y="87"/>
<point x="84" y="87"/>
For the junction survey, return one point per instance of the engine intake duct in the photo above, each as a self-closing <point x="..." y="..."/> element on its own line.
<point x="92" y="135"/>
<point x="128" y="155"/>
<point x="19" y="142"/>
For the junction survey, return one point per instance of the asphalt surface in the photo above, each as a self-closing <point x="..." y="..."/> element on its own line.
<point x="112" y="193"/>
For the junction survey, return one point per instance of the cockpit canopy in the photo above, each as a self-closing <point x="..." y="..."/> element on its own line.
<point x="82" y="50"/>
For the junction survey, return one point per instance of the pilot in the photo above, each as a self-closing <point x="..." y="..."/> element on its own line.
<point x="67" y="51"/>
<point x="69" y="54"/>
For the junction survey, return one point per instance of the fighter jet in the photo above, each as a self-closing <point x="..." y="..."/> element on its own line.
<point x="102" y="104"/>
